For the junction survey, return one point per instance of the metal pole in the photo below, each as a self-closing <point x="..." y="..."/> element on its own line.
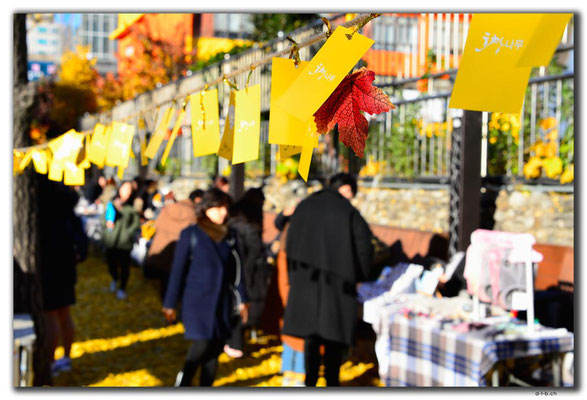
<point x="465" y="181"/>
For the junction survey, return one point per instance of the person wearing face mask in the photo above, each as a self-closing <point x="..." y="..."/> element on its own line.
<point x="119" y="236"/>
<point x="329" y="251"/>
<point x="207" y="277"/>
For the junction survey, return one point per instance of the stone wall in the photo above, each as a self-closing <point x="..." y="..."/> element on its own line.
<point x="549" y="216"/>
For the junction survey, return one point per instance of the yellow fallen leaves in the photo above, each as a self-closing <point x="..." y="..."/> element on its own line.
<point x="130" y="379"/>
<point x="128" y="344"/>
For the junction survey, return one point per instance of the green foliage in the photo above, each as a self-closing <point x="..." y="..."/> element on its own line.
<point x="268" y="25"/>
<point x="201" y="64"/>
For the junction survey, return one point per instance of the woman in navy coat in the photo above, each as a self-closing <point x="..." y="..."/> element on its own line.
<point x="206" y="275"/>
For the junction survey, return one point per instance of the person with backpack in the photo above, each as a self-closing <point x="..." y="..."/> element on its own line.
<point x="121" y="224"/>
<point x="206" y="275"/>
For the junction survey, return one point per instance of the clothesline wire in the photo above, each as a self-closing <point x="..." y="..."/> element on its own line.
<point x="308" y="42"/>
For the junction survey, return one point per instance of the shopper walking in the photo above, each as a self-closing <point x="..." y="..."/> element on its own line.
<point x="119" y="234"/>
<point x="207" y="277"/>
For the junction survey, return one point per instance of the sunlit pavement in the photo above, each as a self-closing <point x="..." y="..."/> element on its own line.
<point x="128" y="343"/>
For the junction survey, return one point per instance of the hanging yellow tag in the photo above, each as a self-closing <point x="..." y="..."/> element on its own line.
<point x="64" y="148"/>
<point x="25" y="160"/>
<point x="120" y="173"/>
<point x="85" y="162"/>
<point x="205" y="127"/>
<point x="16" y="159"/>
<point x="323" y="74"/>
<point x="286" y="151"/>
<point x="247" y="125"/>
<point x="119" y="147"/>
<point x="226" y="145"/>
<point x="543" y="42"/>
<point x="306" y="157"/>
<point x="488" y="78"/>
<point x="99" y="144"/>
<point x="56" y="170"/>
<point x="40" y="161"/>
<point x="284" y="128"/>
<point x="159" y="134"/>
<point x="143" y="142"/>
<point x="73" y="174"/>
<point x="176" y="129"/>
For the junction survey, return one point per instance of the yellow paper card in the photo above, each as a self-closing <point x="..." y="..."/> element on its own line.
<point x="56" y="170"/>
<point x="120" y="145"/>
<point x="74" y="175"/>
<point x="143" y="142"/>
<point x="286" y="151"/>
<point x="205" y="127"/>
<point x="306" y="157"/>
<point x="176" y="128"/>
<point x="99" y="144"/>
<point x="120" y="173"/>
<point x="40" y="161"/>
<point x="227" y="143"/>
<point x="546" y="37"/>
<point x="247" y="125"/>
<point x="159" y="134"/>
<point x="66" y="146"/>
<point x="144" y="159"/>
<point x="85" y="162"/>
<point x="25" y="160"/>
<point x="284" y="128"/>
<point x="488" y="79"/>
<point x="323" y="74"/>
<point x="17" y="157"/>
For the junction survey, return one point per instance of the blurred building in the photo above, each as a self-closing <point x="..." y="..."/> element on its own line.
<point x="200" y="36"/>
<point x="93" y="31"/>
<point x="46" y="42"/>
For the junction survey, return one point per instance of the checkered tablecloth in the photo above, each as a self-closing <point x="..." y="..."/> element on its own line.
<point x="416" y="352"/>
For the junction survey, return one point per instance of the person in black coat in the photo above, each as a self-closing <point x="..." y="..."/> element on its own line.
<point x="63" y="244"/>
<point x="246" y="219"/>
<point x="207" y="277"/>
<point x="329" y="251"/>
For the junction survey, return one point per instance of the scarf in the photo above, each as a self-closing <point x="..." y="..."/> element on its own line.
<point x="214" y="231"/>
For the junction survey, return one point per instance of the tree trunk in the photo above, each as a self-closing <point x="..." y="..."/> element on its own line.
<point x="25" y="210"/>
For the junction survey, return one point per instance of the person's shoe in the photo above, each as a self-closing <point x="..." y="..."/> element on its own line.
<point x="121" y="294"/>
<point x="61" y="365"/>
<point x="232" y="352"/>
<point x="112" y="287"/>
<point x="178" y="379"/>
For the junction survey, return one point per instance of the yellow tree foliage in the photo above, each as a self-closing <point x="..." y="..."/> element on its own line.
<point x="78" y="69"/>
<point x="74" y="92"/>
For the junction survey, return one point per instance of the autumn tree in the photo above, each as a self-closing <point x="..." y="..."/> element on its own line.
<point x="267" y="26"/>
<point x="26" y="249"/>
<point x="154" y="61"/>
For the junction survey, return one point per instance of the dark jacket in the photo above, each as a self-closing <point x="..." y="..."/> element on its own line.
<point x="59" y="228"/>
<point x="257" y="272"/>
<point x="125" y="228"/>
<point x="202" y="279"/>
<point x="329" y="251"/>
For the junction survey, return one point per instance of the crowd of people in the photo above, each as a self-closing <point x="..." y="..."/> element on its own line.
<point x="214" y="270"/>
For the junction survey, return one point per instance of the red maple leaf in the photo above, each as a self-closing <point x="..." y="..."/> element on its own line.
<point x="354" y="94"/>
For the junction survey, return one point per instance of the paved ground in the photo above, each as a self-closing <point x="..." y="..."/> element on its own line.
<point x="128" y="343"/>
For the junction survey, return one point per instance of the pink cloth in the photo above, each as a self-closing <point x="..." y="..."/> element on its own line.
<point x="486" y="256"/>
